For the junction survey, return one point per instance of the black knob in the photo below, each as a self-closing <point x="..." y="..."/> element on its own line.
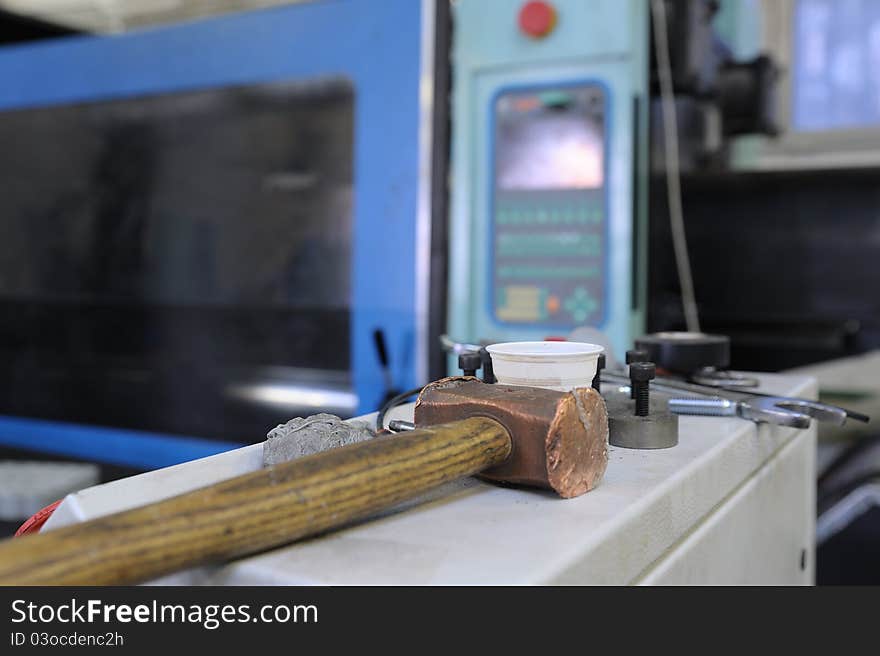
<point x="600" y="365"/>
<point x="640" y="373"/>
<point x="469" y="363"/>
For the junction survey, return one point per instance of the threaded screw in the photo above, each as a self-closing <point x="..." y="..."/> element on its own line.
<point x="640" y="373"/>
<point x="635" y="355"/>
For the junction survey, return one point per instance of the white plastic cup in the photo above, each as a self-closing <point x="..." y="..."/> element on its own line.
<point x="559" y="366"/>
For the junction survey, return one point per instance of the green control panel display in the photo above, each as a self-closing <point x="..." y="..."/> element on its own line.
<point x="548" y="206"/>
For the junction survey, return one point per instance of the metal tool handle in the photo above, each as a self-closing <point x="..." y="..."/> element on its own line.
<point x="803" y="409"/>
<point x="768" y="410"/>
<point x="707" y="407"/>
<point x="748" y="404"/>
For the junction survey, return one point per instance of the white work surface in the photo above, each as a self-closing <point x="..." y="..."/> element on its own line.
<point x="732" y="503"/>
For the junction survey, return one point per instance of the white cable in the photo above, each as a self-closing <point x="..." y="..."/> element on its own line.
<point x="673" y="181"/>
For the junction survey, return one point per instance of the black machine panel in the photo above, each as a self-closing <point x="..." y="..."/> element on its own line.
<point x="155" y="247"/>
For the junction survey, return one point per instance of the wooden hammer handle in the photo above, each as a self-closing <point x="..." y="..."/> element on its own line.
<point x="256" y="511"/>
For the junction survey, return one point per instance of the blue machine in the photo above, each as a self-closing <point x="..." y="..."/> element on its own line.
<point x="207" y="226"/>
<point x="253" y="268"/>
<point x="549" y="165"/>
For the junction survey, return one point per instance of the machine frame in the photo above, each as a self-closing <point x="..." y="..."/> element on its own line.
<point x="394" y="154"/>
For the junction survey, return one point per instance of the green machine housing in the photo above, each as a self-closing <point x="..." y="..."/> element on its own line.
<point x="549" y="170"/>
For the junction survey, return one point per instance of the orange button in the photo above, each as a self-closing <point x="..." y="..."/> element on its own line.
<point x="537" y="19"/>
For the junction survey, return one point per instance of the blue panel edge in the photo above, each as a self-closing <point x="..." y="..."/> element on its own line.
<point x="127" y="448"/>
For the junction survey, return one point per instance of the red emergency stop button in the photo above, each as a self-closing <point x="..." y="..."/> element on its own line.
<point x="537" y="19"/>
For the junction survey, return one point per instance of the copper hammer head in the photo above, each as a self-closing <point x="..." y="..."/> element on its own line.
<point x="558" y="439"/>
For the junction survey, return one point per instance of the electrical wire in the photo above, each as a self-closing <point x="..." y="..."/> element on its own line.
<point x="830" y="496"/>
<point x="846" y="457"/>
<point x="673" y="172"/>
<point x="391" y="403"/>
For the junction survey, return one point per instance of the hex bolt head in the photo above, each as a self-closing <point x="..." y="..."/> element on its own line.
<point x="642" y="371"/>
<point x="469" y="363"/>
<point x="635" y="355"/>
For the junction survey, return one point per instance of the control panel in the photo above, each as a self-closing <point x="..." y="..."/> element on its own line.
<point x="549" y="169"/>
<point x="549" y="239"/>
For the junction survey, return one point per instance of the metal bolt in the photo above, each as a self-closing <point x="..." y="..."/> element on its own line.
<point x="639" y="375"/>
<point x="597" y="379"/>
<point x="400" y="426"/>
<point x="469" y="363"/>
<point x="635" y="355"/>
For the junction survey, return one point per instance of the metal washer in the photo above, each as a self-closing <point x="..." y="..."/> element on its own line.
<point x="657" y="431"/>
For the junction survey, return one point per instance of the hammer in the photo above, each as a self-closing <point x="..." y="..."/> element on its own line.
<point x="518" y="435"/>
